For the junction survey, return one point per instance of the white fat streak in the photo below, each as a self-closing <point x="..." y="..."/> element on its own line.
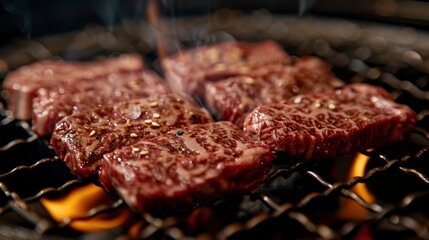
<point x="129" y="197"/>
<point x="240" y="146"/>
<point x="257" y="119"/>
<point x="192" y="144"/>
<point x="386" y="104"/>
<point x="310" y="147"/>
<point x="250" y="155"/>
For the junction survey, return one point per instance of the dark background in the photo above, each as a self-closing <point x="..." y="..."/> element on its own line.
<point x="29" y="18"/>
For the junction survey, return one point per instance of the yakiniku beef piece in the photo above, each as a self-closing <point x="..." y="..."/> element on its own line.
<point x="232" y="98"/>
<point x="324" y="125"/>
<point x="51" y="105"/>
<point x="186" y="166"/>
<point x="187" y="71"/>
<point x="81" y="139"/>
<point x="23" y="84"/>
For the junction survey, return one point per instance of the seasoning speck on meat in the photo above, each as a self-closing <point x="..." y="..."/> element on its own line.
<point x="144" y="152"/>
<point x="153" y="104"/>
<point x="155" y="124"/>
<point x="135" y="149"/>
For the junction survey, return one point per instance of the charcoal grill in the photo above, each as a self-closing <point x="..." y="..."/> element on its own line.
<point x="298" y="200"/>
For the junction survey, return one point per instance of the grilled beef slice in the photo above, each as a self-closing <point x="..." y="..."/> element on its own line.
<point x="22" y="85"/>
<point x="51" y="105"/>
<point x="324" y="125"/>
<point x="231" y="99"/>
<point x="188" y="71"/>
<point x="186" y="166"/>
<point x="82" y="139"/>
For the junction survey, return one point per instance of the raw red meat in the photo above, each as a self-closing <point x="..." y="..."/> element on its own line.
<point x="23" y="84"/>
<point x="324" y="125"/>
<point x="189" y="70"/>
<point x="81" y="139"/>
<point x="186" y="166"/>
<point x="51" y="105"/>
<point x="232" y="98"/>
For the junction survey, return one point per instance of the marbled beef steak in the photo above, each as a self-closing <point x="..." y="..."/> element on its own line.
<point x="22" y="85"/>
<point x="323" y="125"/>
<point x="231" y="99"/>
<point x="82" y="139"/>
<point x="188" y="70"/>
<point x="186" y="166"/>
<point x="51" y="105"/>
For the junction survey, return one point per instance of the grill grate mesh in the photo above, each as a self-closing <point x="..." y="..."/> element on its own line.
<point x="296" y="200"/>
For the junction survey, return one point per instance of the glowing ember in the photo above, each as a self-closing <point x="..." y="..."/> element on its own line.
<point x="351" y="210"/>
<point x="79" y="202"/>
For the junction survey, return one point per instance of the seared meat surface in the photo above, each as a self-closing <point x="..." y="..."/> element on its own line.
<point x="22" y="85"/>
<point x="186" y="166"/>
<point x="189" y="70"/>
<point x="231" y="99"/>
<point x="322" y="125"/>
<point x="52" y="105"/>
<point x="82" y="139"/>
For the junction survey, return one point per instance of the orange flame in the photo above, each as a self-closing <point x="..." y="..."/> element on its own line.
<point x="154" y="17"/>
<point x="351" y="210"/>
<point x="79" y="202"/>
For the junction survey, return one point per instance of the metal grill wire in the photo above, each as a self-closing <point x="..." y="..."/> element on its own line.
<point x="296" y="200"/>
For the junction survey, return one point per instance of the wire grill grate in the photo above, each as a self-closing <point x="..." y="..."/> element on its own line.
<point x="296" y="200"/>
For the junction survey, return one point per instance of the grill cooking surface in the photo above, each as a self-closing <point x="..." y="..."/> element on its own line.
<point x="388" y="199"/>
